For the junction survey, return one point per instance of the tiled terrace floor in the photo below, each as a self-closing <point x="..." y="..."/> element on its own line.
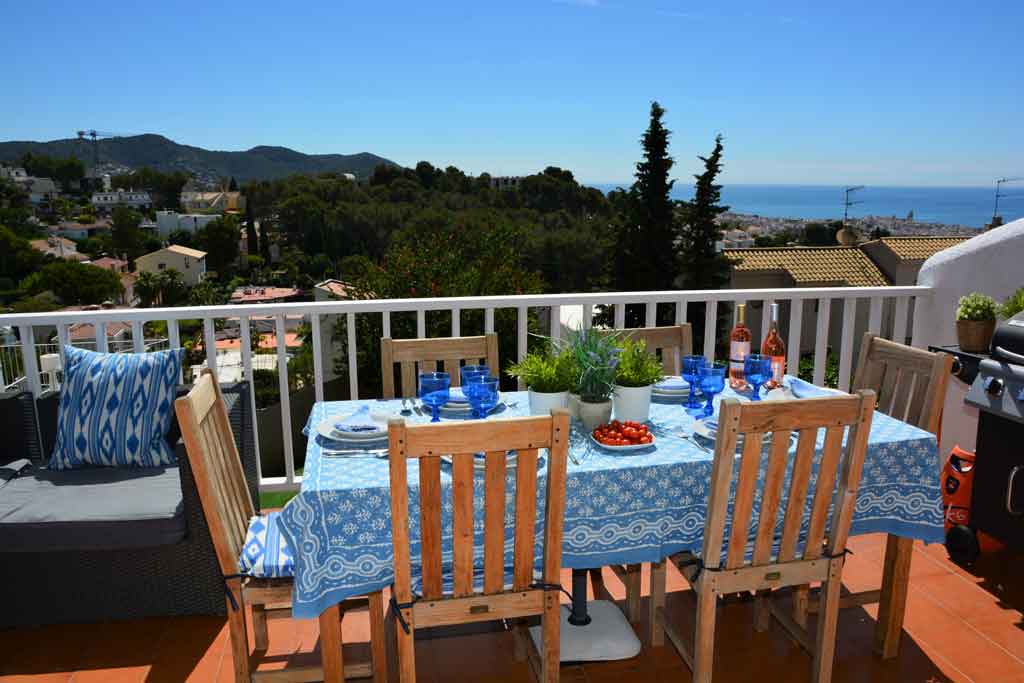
<point x="961" y="626"/>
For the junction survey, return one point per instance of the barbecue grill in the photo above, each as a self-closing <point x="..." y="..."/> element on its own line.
<point x="997" y="504"/>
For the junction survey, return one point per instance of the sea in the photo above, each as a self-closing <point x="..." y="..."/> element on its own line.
<point x="964" y="206"/>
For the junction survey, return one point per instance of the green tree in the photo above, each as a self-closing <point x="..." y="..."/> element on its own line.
<point x="251" y="240"/>
<point x="703" y="266"/>
<point x="219" y="239"/>
<point x="208" y="293"/>
<point x="18" y="259"/>
<point x="74" y="283"/>
<point x="125" y="235"/>
<point x="265" y="231"/>
<point x="147" y="288"/>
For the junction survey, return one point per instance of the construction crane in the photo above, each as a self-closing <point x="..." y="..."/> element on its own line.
<point x="96" y="136"/>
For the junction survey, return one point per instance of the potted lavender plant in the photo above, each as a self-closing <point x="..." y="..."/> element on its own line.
<point x="596" y="357"/>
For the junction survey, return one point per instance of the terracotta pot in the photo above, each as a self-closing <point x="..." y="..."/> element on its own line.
<point x="632" y="403"/>
<point x="975" y="336"/>
<point x="594" y="414"/>
<point x="541" y="403"/>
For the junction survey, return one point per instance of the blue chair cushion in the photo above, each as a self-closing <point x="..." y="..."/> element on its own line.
<point x="266" y="554"/>
<point x="116" y="409"/>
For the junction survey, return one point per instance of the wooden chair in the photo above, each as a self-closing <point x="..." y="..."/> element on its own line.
<point x="230" y="515"/>
<point x="911" y="386"/>
<point x="468" y="601"/>
<point x="425" y="353"/>
<point x="673" y="343"/>
<point x="723" y="565"/>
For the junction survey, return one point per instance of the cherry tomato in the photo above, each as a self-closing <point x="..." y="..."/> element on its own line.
<point x="646" y="438"/>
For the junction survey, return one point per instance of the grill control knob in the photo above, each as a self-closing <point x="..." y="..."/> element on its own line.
<point x="993" y="386"/>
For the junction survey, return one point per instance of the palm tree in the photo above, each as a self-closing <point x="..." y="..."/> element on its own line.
<point x="147" y="288"/>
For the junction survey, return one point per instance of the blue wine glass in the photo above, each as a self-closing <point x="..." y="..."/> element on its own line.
<point x="468" y="371"/>
<point x="433" y="392"/>
<point x="711" y="378"/>
<point x="691" y="364"/>
<point x="482" y="393"/>
<point x="757" y="369"/>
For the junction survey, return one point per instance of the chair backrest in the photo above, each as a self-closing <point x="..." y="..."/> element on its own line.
<point x="910" y="383"/>
<point x="673" y="342"/>
<point x="838" y="476"/>
<point x="217" y="468"/>
<point x="427" y="443"/>
<point x="425" y="353"/>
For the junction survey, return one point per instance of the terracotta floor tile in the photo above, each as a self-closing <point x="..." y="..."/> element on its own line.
<point x="62" y="677"/>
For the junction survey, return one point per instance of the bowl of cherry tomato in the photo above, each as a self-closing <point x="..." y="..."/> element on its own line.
<point x="622" y="436"/>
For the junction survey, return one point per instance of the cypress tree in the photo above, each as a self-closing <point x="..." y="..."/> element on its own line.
<point x="251" y="239"/>
<point x="265" y="241"/>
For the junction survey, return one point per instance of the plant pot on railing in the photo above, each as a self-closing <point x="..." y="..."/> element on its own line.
<point x="975" y="336"/>
<point x="975" y="322"/>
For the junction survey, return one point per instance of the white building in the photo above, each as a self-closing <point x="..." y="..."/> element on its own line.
<point x="13" y="172"/>
<point x="172" y="221"/>
<point x="136" y="199"/>
<point x="503" y="182"/>
<point x="191" y="263"/>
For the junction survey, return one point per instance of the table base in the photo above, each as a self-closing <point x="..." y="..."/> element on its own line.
<point x="607" y="637"/>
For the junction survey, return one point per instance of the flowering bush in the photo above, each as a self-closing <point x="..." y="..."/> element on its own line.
<point x="1013" y="304"/>
<point x="976" y="306"/>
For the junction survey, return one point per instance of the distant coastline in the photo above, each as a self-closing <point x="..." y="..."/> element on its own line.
<point x="935" y="210"/>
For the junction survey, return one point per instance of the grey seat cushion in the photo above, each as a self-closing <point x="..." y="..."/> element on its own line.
<point x="102" y="508"/>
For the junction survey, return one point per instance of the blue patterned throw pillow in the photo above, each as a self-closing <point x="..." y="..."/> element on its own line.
<point x="116" y="409"/>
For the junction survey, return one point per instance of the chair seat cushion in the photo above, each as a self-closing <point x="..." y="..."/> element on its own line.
<point x="265" y="553"/>
<point x="99" y="508"/>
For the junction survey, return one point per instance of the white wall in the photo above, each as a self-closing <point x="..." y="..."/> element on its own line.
<point x="991" y="263"/>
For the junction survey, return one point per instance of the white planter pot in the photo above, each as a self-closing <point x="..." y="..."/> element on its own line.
<point x="594" y="414"/>
<point x="632" y="403"/>
<point x="541" y="403"/>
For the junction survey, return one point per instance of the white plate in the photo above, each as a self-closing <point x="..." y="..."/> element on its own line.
<point x="326" y="429"/>
<point x="463" y="408"/>
<point x="702" y="430"/>
<point x="632" y="447"/>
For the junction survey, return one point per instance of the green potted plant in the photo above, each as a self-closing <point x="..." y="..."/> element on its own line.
<point x="975" y="322"/>
<point x="595" y="356"/>
<point x="638" y="370"/>
<point x="549" y="376"/>
<point x="1013" y="305"/>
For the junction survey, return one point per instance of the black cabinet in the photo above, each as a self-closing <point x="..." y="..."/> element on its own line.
<point x="997" y="503"/>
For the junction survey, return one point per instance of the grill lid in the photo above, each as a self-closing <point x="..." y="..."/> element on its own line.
<point x="1008" y="341"/>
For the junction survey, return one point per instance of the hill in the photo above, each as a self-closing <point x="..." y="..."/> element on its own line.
<point x="156" y="151"/>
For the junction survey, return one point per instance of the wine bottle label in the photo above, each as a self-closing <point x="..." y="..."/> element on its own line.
<point x="778" y="369"/>
<point x="738" y="351"/>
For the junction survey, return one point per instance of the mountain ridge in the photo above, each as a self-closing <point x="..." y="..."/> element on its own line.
<point x="262" y="162"/>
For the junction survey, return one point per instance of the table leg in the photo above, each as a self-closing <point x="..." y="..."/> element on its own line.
<point x="656" y="614"/>
<point x="893" y="601"/>
<point x="579" y="616"/>
<point x="330" y="645"/>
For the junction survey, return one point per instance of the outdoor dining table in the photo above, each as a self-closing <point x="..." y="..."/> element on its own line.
<point x="621" y="507"/>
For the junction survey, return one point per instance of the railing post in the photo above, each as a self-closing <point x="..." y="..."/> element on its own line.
<point x="138" y="341"/>
<point x="875" y="315"/>
<point x="522" y="321"/>
<point x="651" y="314"/>
<point x="821" y="340"/>
<point x="846" y="342"/>
<point x="353" y="357"/>
<point x="556" y="322"/>
<point x="286" y="400"/>
<point x="318" y="357"/>
<point x="456" y="322"/>
<point x="421" y="324"/>
<point x="796" y="333"/>
<point x="681" y="312"/>
<point x="488" y="320"/>
<point x="210" y="343"/>
<point x="100" y="329"/>
<point x="710" y="323"/>
<point x="899" y="327"/>
<point x="245" y="339"/>
<point x="174" y="339"/>
<point x="29" y="360"/>
<point x="620" y="316"/>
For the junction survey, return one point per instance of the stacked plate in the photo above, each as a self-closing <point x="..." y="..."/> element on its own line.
<point x="671" y="388"/>
<point x="334" y="439"/>
<point x="458" y="404"/>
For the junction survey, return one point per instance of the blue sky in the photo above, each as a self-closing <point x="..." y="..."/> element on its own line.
<point x="914" y="93"/>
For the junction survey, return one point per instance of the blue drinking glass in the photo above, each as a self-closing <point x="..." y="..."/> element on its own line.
<point x="433" y="392"/>
<point x="757" y="369"/>
<point x="691" y="364"/>
<point x="467" y="371"/>
<point x="482" y="393"/>
<point x="711" y="378"/>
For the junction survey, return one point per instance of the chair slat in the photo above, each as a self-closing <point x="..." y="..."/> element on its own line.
<point x="888" y="390"/>
<point x="797" y="498"/>
<point x="739" y="532"/>
<point x="554" y="508"/>
<point x="430" y="525"/>
<point x="494" y="521"/>
<point x="451" y="366"/>
<point x="526" y="517"/>
<point x="721" y="476"/>
<point x="770" y="496"/>
<point x="901" y="399"/>
<point x="849" y="479"/>
<point x="410" y="386"/>
<point x="397" y="454"/>
<point x="462" y="523"/>
<point x="918" y="400"/>
<point x="823" y="488"/>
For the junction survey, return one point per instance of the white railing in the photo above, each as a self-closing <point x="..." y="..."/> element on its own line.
<point x="825" y="317"/>
<point x="12" y="365"/>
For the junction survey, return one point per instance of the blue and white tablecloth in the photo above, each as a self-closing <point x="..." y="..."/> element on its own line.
<point x="620" y="507"/>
